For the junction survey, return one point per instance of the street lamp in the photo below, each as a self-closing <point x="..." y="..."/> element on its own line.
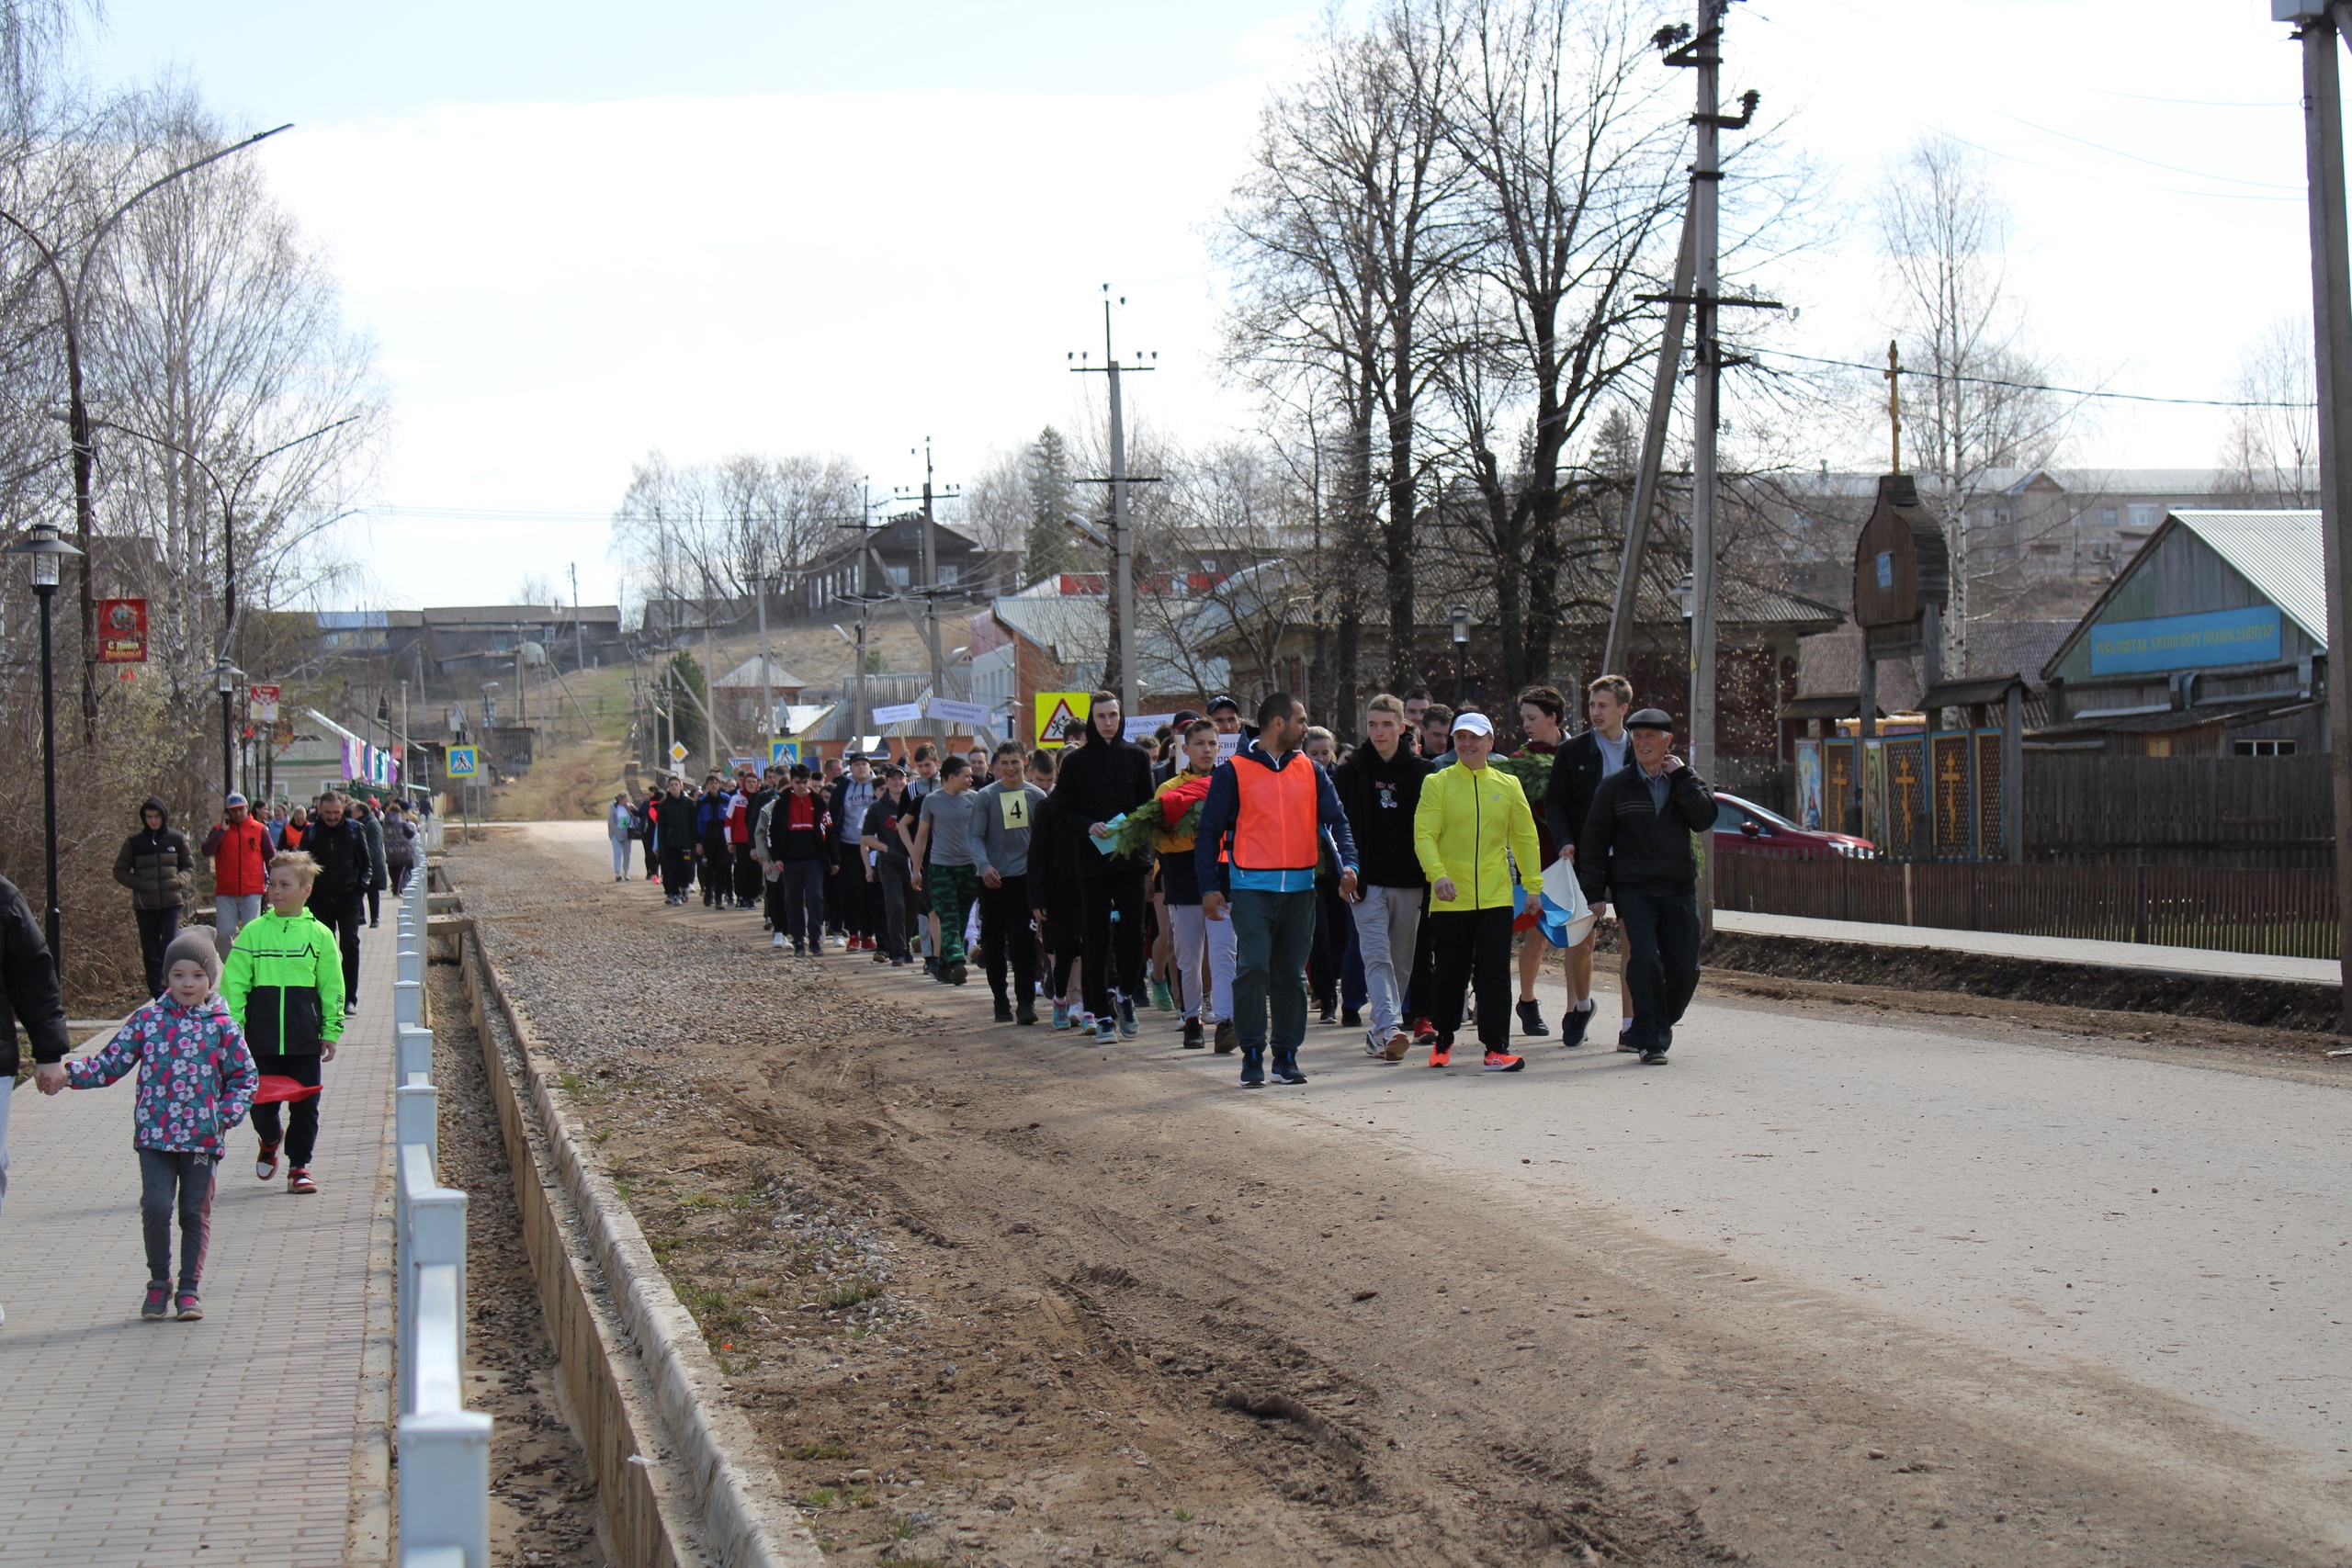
<point x="47" y="552"/>
<point x="224" y="681"/>
<point x="1461" y="618"/>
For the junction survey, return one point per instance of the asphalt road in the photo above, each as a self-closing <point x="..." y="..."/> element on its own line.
<point x="2076" y="1241"/>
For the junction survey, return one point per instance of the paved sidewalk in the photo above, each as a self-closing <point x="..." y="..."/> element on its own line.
<point x="2148" y="956"/>
<point x="224" y="1441"/>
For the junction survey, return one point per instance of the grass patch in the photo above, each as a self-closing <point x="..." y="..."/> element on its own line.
<point x="858" y="1496"/>
<point x="903" y="1528"/>
<point x="711" y="1308"/>
<point x="821" y="1498"/>
<point x="827" y="1450"/>
<point x="850" y="1292"/>
<point x="1184" y="1516"/>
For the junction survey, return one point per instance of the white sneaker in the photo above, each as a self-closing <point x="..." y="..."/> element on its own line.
<point x="776" y="940"/>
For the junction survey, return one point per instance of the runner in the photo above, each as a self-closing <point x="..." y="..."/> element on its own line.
<point x="1542" y="713"/>
<point x="1577" y="771"/>
<point x="1101" y="782"/>
<point x="1470" y="818"/>
<point x="1380" y="788"/>
<point x="1637" y="852"/>
<point x="946" y="874"/>
<point x="1003" y="816"/>
<point x="1267" y="809"/>
<point x="1179" y="882"/>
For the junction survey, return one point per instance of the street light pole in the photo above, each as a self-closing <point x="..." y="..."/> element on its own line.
<point x="1461" y="618"/>
<point x="47" y="552"/>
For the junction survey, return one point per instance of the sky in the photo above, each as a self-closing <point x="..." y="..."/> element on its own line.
<point x="582" y="233"/>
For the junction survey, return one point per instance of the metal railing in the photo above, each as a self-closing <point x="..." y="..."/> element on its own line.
<point x="444" y="1488"/>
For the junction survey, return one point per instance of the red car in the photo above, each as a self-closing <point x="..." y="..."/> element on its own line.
<point x="1744" y="825"/>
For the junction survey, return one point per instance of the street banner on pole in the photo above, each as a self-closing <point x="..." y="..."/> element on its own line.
<point x="122" y="631"/>
<point x="264" y="700"/>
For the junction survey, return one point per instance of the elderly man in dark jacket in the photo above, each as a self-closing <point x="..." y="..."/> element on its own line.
<point x="159" y="868"/>
<point x="1636" y="853"/>
<point x="346" y="871"/>
<point x="29" y="996"/>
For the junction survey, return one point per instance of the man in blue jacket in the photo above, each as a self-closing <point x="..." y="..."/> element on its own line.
<point x="1269" y="813"/>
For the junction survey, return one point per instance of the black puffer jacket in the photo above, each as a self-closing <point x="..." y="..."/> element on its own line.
<point x="156" y="865"/>
<point x="28" y="993"/>
<point x="1097" y="783"/>
<point x="345" y="868"/>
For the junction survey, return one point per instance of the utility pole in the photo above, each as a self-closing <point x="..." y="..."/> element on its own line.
<point x="1122" y="642"/>
<point x="579" y="635"/>
<point x="1620" y="647"/>
<point x="767" y="687"/>
<point x="2317" y="26"/>
<point x="931" y="580"/>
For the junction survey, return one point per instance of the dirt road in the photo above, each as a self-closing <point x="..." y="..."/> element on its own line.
<point x="1835" y="1283"/>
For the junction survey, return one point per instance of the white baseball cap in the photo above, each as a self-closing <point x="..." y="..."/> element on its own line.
<point x="1476" y="723"/>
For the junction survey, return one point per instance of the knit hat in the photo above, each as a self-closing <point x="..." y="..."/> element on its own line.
<point x="195" y="944"/>
<point x="234" y="799"/>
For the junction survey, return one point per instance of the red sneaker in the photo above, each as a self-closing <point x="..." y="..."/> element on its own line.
<point x="1441" y="1055"/>
<point x="1503" y="1062"/>
<point x="1424" y="1032"/>
<point x="266" y="1162"/>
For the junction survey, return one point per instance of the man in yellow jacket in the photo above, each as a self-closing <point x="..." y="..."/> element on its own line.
<point x="1470" y="831"/>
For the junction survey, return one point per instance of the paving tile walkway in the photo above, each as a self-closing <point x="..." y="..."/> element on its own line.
<point x="218" y="1442"/>
<point x="2150" y="957"/>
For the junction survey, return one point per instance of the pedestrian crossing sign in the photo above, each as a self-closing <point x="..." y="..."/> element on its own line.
<point x="782" y="753"/>
<point x="1058" y="713"/>
<point x="464" y="761"/>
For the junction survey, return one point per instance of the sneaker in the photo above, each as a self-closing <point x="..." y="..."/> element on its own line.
<point x="882" y="957"/>
<point x="1062" y="1015"/>
<point x="1502" y="1061"/>
<point x="1253" y="1068"/>
<point x="1025" y="1013"/>
<point x="930" y="967"/>
<point x="1424" y="1032"/>
<point x="265" y="1163"/>
<point x="776" y="940"/>
<point x="1530" y="1018"/>
<point x="1162" y="999"/>
<point x="350" y="1007"/>
<point x="1351" y="1017"/>
<point x="902" y="964"/>
<point x="1105" y="1031"/>
<point x="1574" y="1024"/>
<point x="799" y="950"/>
<point x="1376" y="1049"/>
<point x="190" y="1308"/>
<point x="1399" y="1044"/>
<point x="299" y="1180"/>
<point x="1129" y="1027"/>
<point x="1287" y="1067"/>
<point x="1654" y="1057"/>
<point x="957" y="974"/>
<point x="1441" y="1055"/>
<point x="1195" y="1038"/>
<point x="1003" y="1010"/>
<point x="1625" y="1036"/>
<point x="1225" y="1038"/>
<point x="158" y="1305"/>
<point x="1327" y="1013"/>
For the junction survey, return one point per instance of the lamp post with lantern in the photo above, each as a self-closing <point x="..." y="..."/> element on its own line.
<point x="1461" y="619"/>
<point x="48" y="553"/>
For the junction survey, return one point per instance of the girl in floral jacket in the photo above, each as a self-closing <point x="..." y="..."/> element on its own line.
<point x="195" y="1081"/>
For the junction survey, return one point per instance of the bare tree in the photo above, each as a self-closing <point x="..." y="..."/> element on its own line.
<point x="2270" y="454"/>
<point x="1974" y="404"/>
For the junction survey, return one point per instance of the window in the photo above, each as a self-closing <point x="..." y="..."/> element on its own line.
<point x="2262" y="747"/>
<point x="949" y="574"/>
<point x="900" y="577"/>
<point x="2104" y="518"/>
<point x="2146" y="516"/>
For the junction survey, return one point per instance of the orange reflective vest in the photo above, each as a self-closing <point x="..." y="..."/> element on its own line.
<point x="1275" y="827"/>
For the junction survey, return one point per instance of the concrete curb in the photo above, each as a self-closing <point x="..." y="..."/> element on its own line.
<point x="744" y="1520"/>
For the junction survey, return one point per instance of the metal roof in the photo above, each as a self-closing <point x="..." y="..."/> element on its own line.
<point x="2278" y="552"/>
<point x="746" y="675"/>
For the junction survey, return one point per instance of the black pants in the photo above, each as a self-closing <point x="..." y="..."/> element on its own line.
<point x="799" y="883"/>
<point x="653" y="860"/>
<point x="303" y="1124"/>
<point x="747" y="875"/>
<point x="1472" y="947"/>
<point x="345" y="922"/>
<point x="1660" y="922"/>
<point x="1005" y="938"/>
<point x="400" y="871"/>
<point x="677" y="872"/>
<point x="846" y="892"/>
<point x="1113" y="904"/>
<point x="897" y="897"/>
<point x="1420" y="991"/>
<point x="717" y="869"/>
<point x="156" y="929"/>
<point x="372" y="906"/>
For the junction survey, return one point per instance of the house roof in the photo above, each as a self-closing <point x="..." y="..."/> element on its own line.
<point x="746" y="676"/>
<point x="2277" y="553"/>
<point x="1738" y="603"/>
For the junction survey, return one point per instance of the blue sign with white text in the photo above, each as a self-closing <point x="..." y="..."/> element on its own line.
<point x="2186" y="642"/>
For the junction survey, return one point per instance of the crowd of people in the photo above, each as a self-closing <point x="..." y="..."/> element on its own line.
<point x="1240" y="874"/>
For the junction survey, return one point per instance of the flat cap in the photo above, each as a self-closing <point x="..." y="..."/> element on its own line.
<point x="1651" y="718"/>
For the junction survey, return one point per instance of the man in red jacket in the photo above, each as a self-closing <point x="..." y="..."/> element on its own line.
<point x="240" y="852"/>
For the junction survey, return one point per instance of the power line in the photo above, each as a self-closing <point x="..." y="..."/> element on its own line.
<point x="2137" y="158"/>
<point x="2060" y="391"/>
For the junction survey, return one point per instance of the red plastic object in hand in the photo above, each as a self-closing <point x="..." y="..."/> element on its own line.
<point x="1524" y="923"/>
<point x="278" y="1086"/>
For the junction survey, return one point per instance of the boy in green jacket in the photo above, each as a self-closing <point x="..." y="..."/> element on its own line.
<point x="284" y="987"/>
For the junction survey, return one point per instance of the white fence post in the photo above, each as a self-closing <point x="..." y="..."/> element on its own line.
<point x="406" y="994"/>
<point x="415" y="1111"/>
<point x="413" y="1053"/>
<point x="444" y="1448"/>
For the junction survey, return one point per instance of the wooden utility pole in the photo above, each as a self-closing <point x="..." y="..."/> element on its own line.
<point x="2318" y="25"/>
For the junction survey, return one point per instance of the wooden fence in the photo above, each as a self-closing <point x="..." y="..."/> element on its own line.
<point x="2288" y="913"/>
<point x="2091" y="810"/>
